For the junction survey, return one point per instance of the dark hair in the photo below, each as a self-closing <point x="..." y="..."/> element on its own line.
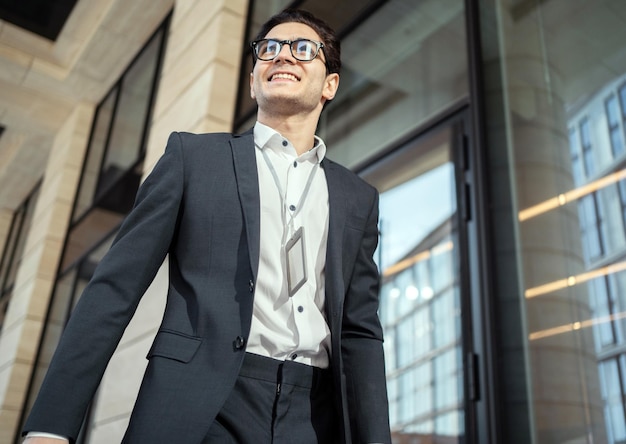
<point x="332" y="48"/>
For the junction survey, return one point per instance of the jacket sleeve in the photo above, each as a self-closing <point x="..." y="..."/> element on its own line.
<point x="110" y="299"/>
<point x="362" y="343"/>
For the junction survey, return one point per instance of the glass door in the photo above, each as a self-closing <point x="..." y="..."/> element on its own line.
<point x="419" y="257"/>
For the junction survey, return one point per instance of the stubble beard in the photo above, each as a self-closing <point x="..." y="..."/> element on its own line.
<point x="287" y="105"/>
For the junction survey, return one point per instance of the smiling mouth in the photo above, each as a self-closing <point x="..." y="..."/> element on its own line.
<point x="284" y="76"/>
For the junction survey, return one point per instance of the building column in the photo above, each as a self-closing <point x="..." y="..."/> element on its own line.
<point x="200" y="75"/>
<point x="35" y="278"/>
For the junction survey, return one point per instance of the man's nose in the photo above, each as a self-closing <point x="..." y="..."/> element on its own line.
<point x="285" y="53"/>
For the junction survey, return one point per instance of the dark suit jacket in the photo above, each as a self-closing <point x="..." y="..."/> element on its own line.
<point x="200" y="205"/>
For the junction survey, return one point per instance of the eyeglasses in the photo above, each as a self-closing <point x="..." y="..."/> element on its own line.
<point x="303" y="50"/>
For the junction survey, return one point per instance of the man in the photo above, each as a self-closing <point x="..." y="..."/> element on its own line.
<point x="271" y="332"/>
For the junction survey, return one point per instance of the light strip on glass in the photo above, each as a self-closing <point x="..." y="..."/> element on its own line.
<point x="421" y="256"/>
<point x="574" y="280"/>
<point x="574" y="326"/>
<point x="570" y="196"/>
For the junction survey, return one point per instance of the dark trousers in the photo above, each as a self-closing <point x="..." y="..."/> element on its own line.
<point x="279" y="402"/>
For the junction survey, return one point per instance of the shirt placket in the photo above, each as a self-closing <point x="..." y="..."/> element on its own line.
<point x="301" y="302"/>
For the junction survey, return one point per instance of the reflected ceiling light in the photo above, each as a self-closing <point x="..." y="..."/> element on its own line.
<point x="394" y="293"/>
<point x="574" y="280"/>
<point x="421" y="256"/>
<point x="423" y="329"/>
<point x="578" y="325"/>
<point x="412" y="292"/>
<point x="571" y="196"/>
<point x="427" y="293"/>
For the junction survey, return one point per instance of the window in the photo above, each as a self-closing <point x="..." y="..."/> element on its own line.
<point x="590" y="215"/>
<point x="420" y="303"/>
<point x="613" y="120"/>
<point x="621" y="191"/>
<point x="585" y="141"/>
<point x="622" y="101"/>
<point x="577" y="170"/>
<point x="603" y="306"/>
<point x="113" y="164"/>
<point x="613" y="392"/>
<point x="14" y="249"/>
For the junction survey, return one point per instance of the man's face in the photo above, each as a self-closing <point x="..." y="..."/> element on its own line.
<point x="286" y="86"/>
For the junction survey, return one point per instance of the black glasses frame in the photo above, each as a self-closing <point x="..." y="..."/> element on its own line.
<point x="255" y="48"/>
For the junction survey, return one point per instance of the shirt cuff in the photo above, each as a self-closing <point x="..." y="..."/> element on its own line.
<point x="45" y="435"/>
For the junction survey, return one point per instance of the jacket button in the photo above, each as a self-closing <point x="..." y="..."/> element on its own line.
<point x="251" y="285"/>
<point x="239" y="342"/>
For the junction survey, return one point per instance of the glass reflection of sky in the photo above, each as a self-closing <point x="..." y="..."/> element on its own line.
<point x="412" y="210"/>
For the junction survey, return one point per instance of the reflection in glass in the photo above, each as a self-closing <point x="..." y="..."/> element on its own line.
<point x="13" y="249"/>
<point x="420" y="293"/>
<point x="125" y="142"/>
<point x="97" y="145"/>
<point x="585" y="141"/>
<point x="116" y="144"/>
<point x="613" y="120"/>
<point x="402" y="66"/>
<point x="562" y="80"/>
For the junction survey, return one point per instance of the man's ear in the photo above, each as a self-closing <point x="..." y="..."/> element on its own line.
<point x="331" y="84"/>
<point x="252" y="86"/>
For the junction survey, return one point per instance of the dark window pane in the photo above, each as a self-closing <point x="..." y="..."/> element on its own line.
<point x="91" y="166"/>
<point x="613" y="119"/>
<point x="622" y="100"/>
<point x="585" y="141"/>
<point x="612" y="111"/>
<point x="125" y="145"/>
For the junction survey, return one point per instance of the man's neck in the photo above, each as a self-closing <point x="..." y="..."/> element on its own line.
<point x="300" y="132"/>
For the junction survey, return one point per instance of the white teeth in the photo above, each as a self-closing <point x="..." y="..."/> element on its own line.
<point x="285" y="76"/>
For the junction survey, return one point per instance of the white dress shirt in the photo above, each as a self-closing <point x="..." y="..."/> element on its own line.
<point x="290" y="327"/>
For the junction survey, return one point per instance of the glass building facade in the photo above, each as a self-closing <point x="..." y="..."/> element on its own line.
<point x="495" y="132"/>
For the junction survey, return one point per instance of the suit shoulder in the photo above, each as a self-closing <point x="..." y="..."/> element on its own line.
<point x="351" y="177"/>
<point x="202" y="140"/>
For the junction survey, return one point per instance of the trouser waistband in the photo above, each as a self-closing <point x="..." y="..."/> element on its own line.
<point x="286" y="372"/>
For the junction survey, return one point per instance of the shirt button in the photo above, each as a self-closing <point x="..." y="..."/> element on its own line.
<point x="294" y="356"/>
<point x="300" y="308"/>
<point x="295" y="164"/>
<point x="285" y="143"/>
<point x="292" y="207"/>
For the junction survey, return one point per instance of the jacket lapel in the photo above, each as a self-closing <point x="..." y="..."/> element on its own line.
<point x="334" y="262"/>
<point x="244" y="159"/>
<point x="246" y="173"/>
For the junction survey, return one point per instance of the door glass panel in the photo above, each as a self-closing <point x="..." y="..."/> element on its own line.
<point x="418" y="257"/>
<point x="555" y="90"/>
<point x="403" y="65"/>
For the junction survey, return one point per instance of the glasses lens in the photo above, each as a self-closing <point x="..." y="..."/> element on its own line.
<point x="304" y="49"/>
<point x="267" y="49"/>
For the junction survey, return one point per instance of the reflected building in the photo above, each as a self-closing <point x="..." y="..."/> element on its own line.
<point x="596" y="136"/>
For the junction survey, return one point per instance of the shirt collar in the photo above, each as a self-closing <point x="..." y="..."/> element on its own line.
<point x="266" y="137"/>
